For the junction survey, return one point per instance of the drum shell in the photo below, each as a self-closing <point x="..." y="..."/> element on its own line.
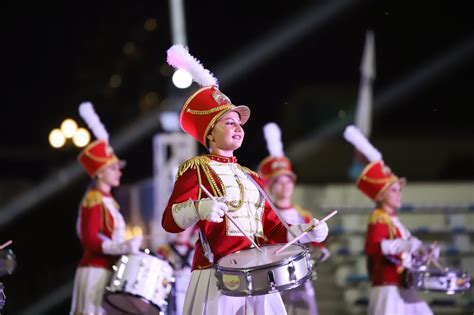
<point x="142" y="279"/>
<point x="450" y="281"/>
<point x="269" y="278"/>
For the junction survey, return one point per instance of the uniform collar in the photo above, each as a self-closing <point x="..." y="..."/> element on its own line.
<point x="106" y="194"/>
<point x="223" y="159"/>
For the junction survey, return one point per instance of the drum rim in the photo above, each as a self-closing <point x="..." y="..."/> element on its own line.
<point x="282" y="262"/>
<point x="278" y="289"/>
<point x="160" y="257"/>
<point x="420" y="275"/>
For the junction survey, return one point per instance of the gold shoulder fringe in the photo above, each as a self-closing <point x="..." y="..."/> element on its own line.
<point x="379" y="216"/>
<point x="249" y="171"/>
<point x="303" y="212"/>
<point x="193" y="163"/>
<point x="92" y="198"/>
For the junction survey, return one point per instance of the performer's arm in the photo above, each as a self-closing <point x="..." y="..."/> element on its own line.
<point x="376" y="232"/>
<point x="180" y="212"/>
<point x="90" y="228"/>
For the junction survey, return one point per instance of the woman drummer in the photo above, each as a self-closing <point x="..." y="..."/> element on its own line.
<point x="389" y="245"/>
<point x="279" y="178"/>
<point x="209" y="116"/>
<point x="100" y="225"/>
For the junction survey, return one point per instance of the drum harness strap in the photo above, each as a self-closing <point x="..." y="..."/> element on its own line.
<point x="205" y="244"/>
<point x="272" y="205"/>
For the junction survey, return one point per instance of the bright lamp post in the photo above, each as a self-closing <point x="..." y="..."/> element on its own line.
<point x="69" y="130"/>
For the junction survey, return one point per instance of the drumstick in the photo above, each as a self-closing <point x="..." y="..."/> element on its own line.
<point x="232" y="219"/>
<point x="309" y="228"/>
<point x="5" y="244"/>
<point x="430" y="254"/>
<point x="435" y="261"/>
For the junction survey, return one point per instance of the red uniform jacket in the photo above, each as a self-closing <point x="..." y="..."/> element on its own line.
<point x="382" y="270"/>
<point x="94" y="218"/>
<point x="186" y="187"/>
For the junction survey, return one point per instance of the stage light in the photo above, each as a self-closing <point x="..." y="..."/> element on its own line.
<point x="81" y="138"/>
<point x="56" y="138"/>
<point x="169" y="121"/>
<point x="68" y="127"/>
<point x="182" y="79"/>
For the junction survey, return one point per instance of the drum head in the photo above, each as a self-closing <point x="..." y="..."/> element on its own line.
<point x="251" y="257"/>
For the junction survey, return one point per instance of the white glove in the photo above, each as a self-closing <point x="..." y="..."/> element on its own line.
<point x="398" y="246"/>
<point x="325" y="254"/>
<point x="317" y="234"/>
<point x="415" y="244"/>
<point x="131" y="246"/>
<point x="211" y="210"/>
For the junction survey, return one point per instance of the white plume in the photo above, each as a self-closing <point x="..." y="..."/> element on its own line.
<point x="87" y="112"/>
<point x="272" y="135"/>
<point x="353" y="135"/>
<point x="178" y="57"/>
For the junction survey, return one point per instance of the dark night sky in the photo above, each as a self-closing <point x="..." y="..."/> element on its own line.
<point x="66" y="55"/>
<point x="54" y="59"/>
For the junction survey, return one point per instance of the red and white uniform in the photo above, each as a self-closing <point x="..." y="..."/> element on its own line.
<point x="222" y="176"/>
<point x="99" y="220"/>
<point x="386" y="295"/>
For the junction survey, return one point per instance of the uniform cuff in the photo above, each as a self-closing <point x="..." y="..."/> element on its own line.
<point x="185" y="214"/>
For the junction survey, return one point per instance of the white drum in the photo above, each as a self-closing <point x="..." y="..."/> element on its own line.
<point x="449" y="281"/>
<point x="250" y="272"/>
<point x="140" y="284"/>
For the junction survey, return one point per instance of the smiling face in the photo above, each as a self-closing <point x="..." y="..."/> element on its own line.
<point x="227" y="134"/>
<point x="391" y="199"/>
<point x="110" y="175"/>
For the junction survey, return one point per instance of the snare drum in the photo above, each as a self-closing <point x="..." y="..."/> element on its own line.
<point x="141" y="283"/>
<point x="450" y="281"/>
<point x="249" y="272"/>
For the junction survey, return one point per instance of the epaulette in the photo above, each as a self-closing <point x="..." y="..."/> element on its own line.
<point x="193" y="163"/>
<point x="379" y="216"/>
<point x="303" y="212"/>
<point x="249" y="171"/>
<point x="92" y="198"/>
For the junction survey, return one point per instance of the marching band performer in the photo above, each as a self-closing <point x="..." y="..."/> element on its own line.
<point x="278" y="176"/>
<point x="209" y="116"/>
<point x="100" y="225"/>
<point x="389" y="245"/>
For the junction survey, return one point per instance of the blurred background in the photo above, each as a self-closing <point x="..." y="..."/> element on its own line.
<point x="297" y="63"/>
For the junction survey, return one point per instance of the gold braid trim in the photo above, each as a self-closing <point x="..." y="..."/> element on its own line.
<point x="380" y="216"/>
<point x="248" y="171"/>
<point x="92" y="198"/>
<point x="209" y="111"/>
<point x="201" y="165"/>
<point x="193" y="163"/>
